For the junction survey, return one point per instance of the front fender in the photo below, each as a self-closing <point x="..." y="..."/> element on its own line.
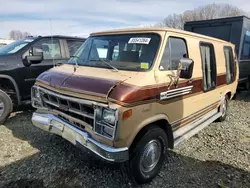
<point x="15" y="86"/>
<point x="143" y="124"/>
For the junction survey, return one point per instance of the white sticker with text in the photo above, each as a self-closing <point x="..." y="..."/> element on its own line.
<point x="140" y="40"/>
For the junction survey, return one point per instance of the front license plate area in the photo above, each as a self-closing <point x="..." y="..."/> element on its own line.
<point x="73" y="136"/>
<point x="57" y="125"/>
<point x="69" y="135"/>
<point x="81" y="139"/>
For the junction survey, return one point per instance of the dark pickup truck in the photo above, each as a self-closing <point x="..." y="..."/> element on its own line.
<point x="233" y="29"/>
<point x="22" y="61"/>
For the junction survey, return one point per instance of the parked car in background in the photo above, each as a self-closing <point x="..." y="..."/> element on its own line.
<point x="23" y="60"/>
<point x="129" y="95"/>
<point x="232" y="29"/>
<point x="4" y="42"/>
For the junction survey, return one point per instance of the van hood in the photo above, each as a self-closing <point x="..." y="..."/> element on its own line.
<point x="86" y="82"/>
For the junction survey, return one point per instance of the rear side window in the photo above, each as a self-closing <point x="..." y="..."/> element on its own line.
<point x="208" y="66"/>
<point x="73" y="46"/>
<point x="230" y="70"/>
<point x="175" y="50"/>
<point x="246" y="46"/>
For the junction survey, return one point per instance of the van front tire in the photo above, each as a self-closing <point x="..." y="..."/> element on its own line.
<point x="5" y="106"/>
<point x="148" y="156"/>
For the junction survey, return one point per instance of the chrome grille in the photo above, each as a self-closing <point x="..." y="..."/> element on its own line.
<point x="69" y="109"/>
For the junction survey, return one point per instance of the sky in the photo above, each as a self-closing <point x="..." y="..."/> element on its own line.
<point x="81" y="17"/>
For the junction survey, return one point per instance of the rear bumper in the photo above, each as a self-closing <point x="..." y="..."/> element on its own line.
<point x="51" y="123"/>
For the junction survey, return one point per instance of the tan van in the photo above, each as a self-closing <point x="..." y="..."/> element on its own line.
<point x="129" y="95"/>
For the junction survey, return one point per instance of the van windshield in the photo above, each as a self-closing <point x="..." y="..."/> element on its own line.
<point x="14" y="46"/>
<point x="134" y="52"/>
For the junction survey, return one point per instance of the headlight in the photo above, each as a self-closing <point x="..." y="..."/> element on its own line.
<point x="105" y="122"/>
<point x="35" y="97"/>
<point x="35" y="93"/>
<point x="109" y="116"/>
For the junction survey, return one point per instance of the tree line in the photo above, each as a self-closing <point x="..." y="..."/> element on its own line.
<point x="18" y="35"/>
<point x="211" y="11"/>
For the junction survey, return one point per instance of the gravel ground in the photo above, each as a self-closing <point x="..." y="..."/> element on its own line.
<point x="219" y="156"/>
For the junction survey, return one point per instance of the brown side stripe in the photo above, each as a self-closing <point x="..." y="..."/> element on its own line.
<point x="141" y="94"/>
<point x="124" y="94"/>
<point x="192" y="118"/>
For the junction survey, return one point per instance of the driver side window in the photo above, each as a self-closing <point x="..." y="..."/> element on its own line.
<point x="99" y="50"/>
<point x="50" y="50"/>
<point x="175" y="50"/>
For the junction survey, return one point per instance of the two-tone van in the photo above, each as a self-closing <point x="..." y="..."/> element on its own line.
<point x="129" y="95"/>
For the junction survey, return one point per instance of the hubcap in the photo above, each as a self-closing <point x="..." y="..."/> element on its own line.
<point x="150" y="156"/>
<point x="1" y="108"/>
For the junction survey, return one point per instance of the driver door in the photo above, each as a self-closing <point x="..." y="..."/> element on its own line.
<point x="176" y="106"/>
<point x="52" y="54"/>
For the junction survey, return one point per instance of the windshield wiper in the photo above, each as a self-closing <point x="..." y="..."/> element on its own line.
<point x="76" y="64"/>
<point x="105" y="63"/>
<point x="77" y="57"/>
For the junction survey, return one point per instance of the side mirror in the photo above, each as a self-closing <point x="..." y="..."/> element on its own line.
<point x="35" y="57"/>
<point x="186" y="68"/>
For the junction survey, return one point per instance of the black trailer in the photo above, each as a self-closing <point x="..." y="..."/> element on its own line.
<point x="233" y="29"/>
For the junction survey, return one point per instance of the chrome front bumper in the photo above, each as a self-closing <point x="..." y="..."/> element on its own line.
<point x="51" y="123"/>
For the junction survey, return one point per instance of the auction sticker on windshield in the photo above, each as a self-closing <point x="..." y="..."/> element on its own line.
<point x="140" y="40"/>
<point x="144" y="66"/>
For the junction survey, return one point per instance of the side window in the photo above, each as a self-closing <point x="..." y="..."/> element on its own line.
<point x="230" y="69"/>
<point x="115" y="53"/>
<point x="246" y="47"/>
<point x="175" y="50"/>
<point x="208" y="66"/>
<point x="51" y="50"/>
<point x="73" y="46"/>
<point x="99" y="50"/>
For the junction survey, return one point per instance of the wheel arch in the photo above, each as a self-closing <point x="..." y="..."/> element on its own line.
<point x="14" y="85"/>
<point x="161" y="121"/>
<point x="229" y="94"/>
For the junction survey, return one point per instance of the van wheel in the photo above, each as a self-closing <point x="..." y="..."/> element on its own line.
<point x="148" y="156"/>
<point x="224" y="109"/>
<point x="5" y="107"/>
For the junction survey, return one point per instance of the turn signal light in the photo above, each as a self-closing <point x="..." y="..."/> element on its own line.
<point x="127" y="114"/>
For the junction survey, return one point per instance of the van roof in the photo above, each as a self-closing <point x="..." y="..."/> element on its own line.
<point x="155" y="29"/>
